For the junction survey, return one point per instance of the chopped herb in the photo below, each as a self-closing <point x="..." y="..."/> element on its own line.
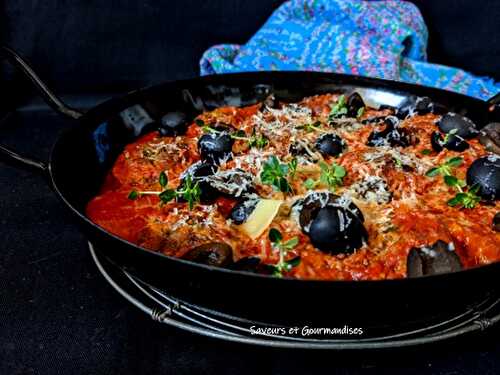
<point x="338" y="109"/>
<point x="361" y="112"/>
<point x="276" y="239"/>
<point x="398" y="162"/>
<point x="258" y="141"/>
<point x="332" y="175"/>
<point x="310" y="184"/>
<point x="466" y="197"/>
<point x="426" y="151"/>
<point x="275" y="174"/>
<point x="310" y="127"/>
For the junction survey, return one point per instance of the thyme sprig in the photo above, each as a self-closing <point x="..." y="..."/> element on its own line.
<point x="338" y="109"/>
<point x="189" y="191"/>
<point x="277" y="243"/>
<point x="466" y="196"/>
<point x="278" y="174"/>
<point x="332" y="176"/>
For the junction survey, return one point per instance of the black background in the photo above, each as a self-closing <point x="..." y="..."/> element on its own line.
<point x="57" y="314"/>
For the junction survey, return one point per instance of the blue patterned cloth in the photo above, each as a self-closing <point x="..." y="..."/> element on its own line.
<point x="384" y="39"/>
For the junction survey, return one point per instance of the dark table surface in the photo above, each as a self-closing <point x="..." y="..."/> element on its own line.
<point x="59" y="316"/>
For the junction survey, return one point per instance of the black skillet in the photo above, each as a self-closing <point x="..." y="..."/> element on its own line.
<point x="82" y="155"/>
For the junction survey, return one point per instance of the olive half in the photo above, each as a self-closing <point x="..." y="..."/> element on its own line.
<point x="451" y="142"/>
<point x="354" y="104"/>
<point x="198" y="173"/>
<point x="463" y="126"/>
<point x="333" y="224"/>
<point x="485" y="173"/>
<point x="432" y="260"/>
<point x="392" y="135"/>
<point x="330" y="145"/>
<point x="216" y="147"/>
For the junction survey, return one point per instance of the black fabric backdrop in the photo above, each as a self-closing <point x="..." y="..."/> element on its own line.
<point x="57" y="314"/>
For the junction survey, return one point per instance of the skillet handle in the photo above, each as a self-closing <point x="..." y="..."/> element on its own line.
<point x="52" y="100"/>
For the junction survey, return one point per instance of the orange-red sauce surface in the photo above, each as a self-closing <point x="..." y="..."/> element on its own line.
<point x="416" y="215"/>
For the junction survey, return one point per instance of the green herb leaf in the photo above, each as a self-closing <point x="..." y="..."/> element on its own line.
<point x="451" y="180"/>
<point x="199" y="122"/>
<point x="163" y="180"/>
<point x="338" y="109"/>
<point x="133" y="195"/>
<point x="454" y="162"/>
<point x="360" y="112"/>
<point x="310" y="183"/>
<point x="275" y="236"/>
<point x="433" y="172"/>
<point x="456" y="200"/>
<point x="292" y="167"/>
<point x="275" y="174"/>
<point x="331" y="176"/>
<point x="294" y="262"/>
<point x="167" y="195"/>
<point x="291" y="243"/>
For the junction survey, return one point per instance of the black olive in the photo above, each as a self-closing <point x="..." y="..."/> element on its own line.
<point x="453" y="142"/>
<point x="437" y="141"/>
<point x="354" y="104"/>
<point x="392" y="135"/>
<point x="463" y="126"/>
<point x="330" y="145"/>
<point x="216" y="147"/>
<point x="251" y="264"/>
<point x="199" y="171"/>
<point x="242" y="210"/>
<point x="485" y="173"/>
<point x="337" y="230"/>
<point x="232" y="182"/>
<point x="212" y="254"/>
<point x="173" y="124"/>
<point x="438" y="258"/>
<point x="313" y="202"/>
<point x="496" y="222"/>
<point x="490" y="137"/>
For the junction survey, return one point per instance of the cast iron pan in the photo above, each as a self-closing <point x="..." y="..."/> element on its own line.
<point x="82" y="155"/>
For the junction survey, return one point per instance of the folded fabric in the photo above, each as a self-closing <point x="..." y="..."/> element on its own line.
<point x="384" y="39"/>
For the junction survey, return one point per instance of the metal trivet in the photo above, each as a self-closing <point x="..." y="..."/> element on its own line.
<point x="168" y="310"/>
